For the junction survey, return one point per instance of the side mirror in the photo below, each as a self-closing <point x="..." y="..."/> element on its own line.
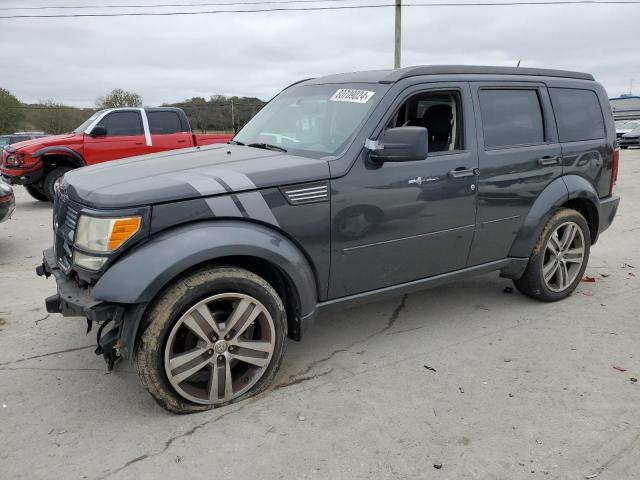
<point x="99" y="131"/>
<point x="401" y="144"/>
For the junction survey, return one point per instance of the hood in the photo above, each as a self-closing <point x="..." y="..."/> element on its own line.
<point x="189" y="173"/>
<point x="37" y="143"/>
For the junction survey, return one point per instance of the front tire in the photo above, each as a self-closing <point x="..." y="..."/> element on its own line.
<point x="213" y="337"/>
<point x="559" y="258"/>
<point x="36" y="193"/>
<point x="50" y="180"/>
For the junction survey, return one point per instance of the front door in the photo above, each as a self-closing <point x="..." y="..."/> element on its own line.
<point x="519" y="156"/>
<point x="398" y="222"/>
<point x="125" y="138"/>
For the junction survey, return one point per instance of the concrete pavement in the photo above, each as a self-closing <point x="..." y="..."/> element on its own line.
<point x="515" y="389"/>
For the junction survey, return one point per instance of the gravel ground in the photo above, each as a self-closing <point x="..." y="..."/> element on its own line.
<point x="486" y="384"/>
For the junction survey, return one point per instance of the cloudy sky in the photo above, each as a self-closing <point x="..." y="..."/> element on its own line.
<point x="168" y="59"/>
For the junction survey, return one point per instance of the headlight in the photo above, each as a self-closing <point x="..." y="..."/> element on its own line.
<point x="101" y="235"/>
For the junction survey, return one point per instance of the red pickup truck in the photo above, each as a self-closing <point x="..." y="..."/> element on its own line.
<point x="107" y="135"/>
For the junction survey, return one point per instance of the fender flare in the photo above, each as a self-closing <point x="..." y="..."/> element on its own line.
<point x="556" y="194"/>
<point x="138" y="276"/>
<point x="550" y="199"/>
<point x="581" y="189"/>
<point x="66" y="151"/>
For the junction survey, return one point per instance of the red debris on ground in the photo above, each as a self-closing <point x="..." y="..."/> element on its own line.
<point x="620" y="369"/>
<point x="588" y="279"/>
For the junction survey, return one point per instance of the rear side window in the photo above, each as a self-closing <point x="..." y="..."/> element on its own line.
<point x="578" y="114"/>
<point x="164" y="122"/>
<point x="511" y="117"/>
<point x="122" y="124"/>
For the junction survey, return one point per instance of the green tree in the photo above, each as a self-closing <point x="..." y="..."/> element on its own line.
<point x="119" y="98"/>
<point x="10" y="112"/>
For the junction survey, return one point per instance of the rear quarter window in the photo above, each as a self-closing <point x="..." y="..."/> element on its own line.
<point x="164" y="122"/>
<point x="511" y="117"/>
<point x="578" y="114"/>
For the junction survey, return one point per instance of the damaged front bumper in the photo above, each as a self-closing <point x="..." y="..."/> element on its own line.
<point x="75" y="301"/>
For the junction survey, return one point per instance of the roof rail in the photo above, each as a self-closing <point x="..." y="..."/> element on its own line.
<point x="401" y="73"/>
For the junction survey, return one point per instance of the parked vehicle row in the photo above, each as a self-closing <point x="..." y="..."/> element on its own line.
<point x="7" y="202"/>
<point x="107" y="135"/>
<point x="19" y="137"/>
<point x="628" y="133"/>
<point x="341" y="189"/>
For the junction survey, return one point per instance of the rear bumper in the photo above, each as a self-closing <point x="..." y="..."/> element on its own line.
<point x="607" y="209"/>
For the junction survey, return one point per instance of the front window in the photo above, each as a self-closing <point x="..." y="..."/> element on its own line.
<point x="87" y="122"/>
<point x="313" y="120"/>
<point x="4" y="141"/>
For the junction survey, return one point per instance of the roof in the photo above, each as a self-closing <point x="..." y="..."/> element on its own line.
<point x="392" y="76"/>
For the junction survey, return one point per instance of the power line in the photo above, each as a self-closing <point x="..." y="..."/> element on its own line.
<point x="339" y="7"/>
<point x="165" y="5"/>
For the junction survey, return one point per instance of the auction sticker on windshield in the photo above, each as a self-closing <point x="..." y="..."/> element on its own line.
<point x="352" y="95"/>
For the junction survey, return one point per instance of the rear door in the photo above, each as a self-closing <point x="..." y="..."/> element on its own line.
<point x="519" y="155"/>
<point x="168" y="131"/>
<point x="125" y="138"/>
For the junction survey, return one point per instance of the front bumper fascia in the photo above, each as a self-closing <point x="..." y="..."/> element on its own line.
<point x="15" y="176"/>
<point x="71" y="300"/>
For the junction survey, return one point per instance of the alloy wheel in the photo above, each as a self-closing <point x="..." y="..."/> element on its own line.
<point x="219" y="348"/>
<point x="563" y="257"/>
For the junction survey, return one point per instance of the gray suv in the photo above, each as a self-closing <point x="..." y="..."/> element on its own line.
<point x="342" y="189"/>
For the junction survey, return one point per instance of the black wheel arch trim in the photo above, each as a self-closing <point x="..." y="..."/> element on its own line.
<point x="138" y="276"/>
<point x="66" y="151"/>
<point x="557" y="193"/>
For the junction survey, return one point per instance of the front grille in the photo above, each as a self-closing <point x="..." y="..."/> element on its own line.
<point x="71" y="218"/>
<point x="65" y="219"/>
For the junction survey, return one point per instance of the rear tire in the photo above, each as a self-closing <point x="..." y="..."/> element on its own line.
<point x="214" y="337"/>
<point x="559" y="258"/>
<point x="624" y="147"/>
<point x="36" y="193"/>
<point x="50" y="180"/>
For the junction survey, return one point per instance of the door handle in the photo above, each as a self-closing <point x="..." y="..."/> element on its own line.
<point x="139" y="143"/>
<point x="182" y="141"/>
<point x="463" y="172"/>
<point x="549" y="160"/>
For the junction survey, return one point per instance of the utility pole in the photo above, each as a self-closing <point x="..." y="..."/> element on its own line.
<point x="233" y="118"/>
<point x="398" y="39"/>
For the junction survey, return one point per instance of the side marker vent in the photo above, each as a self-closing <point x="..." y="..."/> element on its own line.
<point x="310" y="193"/>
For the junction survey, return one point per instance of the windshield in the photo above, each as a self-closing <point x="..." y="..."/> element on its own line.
<point x="313" y="120"/>
<point x="87" y="122"/>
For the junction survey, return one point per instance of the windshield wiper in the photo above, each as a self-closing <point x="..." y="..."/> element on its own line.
<point x="267" y="146"/>
<point x="235" y="142"/>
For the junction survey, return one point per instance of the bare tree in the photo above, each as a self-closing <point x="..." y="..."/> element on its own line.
<point x="119" y="98"/>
